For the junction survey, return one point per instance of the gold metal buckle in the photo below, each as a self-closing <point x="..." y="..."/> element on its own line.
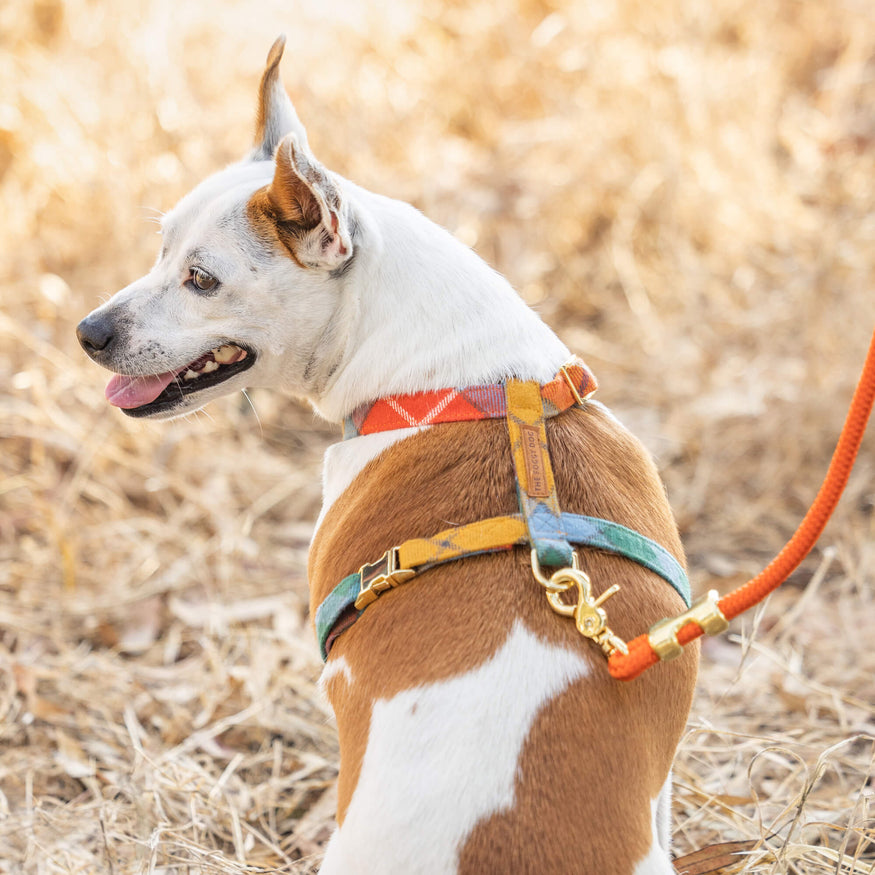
<point x="578" y="400"/>
<point x="663" y="636"/>
<point x="589" y="617"/>
<point x="379" y="576"/>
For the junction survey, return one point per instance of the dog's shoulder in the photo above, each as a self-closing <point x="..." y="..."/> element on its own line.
<point x="452" y="474"/>
<point x="603" y="470"/>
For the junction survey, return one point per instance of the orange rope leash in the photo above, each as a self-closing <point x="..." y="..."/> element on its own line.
<point x="641" y="655"/>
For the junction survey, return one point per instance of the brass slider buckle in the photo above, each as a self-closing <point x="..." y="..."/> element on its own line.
<point x="379" y="576"/>
<point x="577" y="399"/>
<point x="663" y="636"/>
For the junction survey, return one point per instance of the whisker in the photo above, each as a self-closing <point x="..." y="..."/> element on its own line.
<point x="257" y="417"/>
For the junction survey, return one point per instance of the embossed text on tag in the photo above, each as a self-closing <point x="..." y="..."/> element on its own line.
<point x="536" y="472"/>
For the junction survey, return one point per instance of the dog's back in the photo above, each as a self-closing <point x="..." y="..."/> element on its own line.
<point x="477" y="728"/>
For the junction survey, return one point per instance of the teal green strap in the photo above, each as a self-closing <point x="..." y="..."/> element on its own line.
<point x="602" y="534"/>
<point x="336" y="603"/>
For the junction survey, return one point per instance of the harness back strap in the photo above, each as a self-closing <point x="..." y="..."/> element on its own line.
<point x="536" y="487"/>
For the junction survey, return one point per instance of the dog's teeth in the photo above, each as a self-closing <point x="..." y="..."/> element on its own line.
<point x="209" y="367"/>
<point x="191" y="375"/>
<point x="226" y="354"/>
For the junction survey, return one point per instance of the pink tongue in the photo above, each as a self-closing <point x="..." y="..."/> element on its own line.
<point x="130" y="392"/>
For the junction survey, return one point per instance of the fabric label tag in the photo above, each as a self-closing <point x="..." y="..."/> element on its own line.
<point x="536" y="474"/>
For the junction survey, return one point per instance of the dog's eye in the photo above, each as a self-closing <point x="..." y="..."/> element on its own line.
<point x="203" y="281"/>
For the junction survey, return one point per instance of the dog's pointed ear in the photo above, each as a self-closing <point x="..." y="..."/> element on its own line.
<point x="276" y="115"/>
<point x="308" y="208"/>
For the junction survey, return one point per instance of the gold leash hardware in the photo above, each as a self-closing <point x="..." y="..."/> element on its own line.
<point x="589" y="617"/>
<point x="663" y="636"/>
<point x="380" y="576"/>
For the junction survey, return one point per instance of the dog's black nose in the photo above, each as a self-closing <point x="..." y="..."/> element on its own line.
<point x="95" y="334"/>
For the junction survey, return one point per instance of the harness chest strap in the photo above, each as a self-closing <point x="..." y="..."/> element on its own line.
<point x="539" y="503"/>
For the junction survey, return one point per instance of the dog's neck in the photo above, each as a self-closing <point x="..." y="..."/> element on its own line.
<point x="421" y="311"/>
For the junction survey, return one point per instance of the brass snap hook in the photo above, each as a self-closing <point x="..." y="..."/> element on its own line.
<point x="589" y="617"/>
<point x="552" y="584"/>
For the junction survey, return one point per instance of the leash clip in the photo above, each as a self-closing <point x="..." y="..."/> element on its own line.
<point x="663" y="636"/>
<point x="589" y="617"/>
<point x="379" y="576"/>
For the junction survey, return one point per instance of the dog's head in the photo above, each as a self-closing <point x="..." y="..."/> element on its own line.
<point x="247" y="287"/>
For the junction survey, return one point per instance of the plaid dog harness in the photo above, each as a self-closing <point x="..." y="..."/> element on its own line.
<point x="541" y="523"/>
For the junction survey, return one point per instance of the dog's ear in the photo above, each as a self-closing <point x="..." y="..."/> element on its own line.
<point x="307" y="209"/>
<point x="276" y="115"/>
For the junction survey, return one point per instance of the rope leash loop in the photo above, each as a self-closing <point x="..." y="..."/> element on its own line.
<point x="642" y="654"/>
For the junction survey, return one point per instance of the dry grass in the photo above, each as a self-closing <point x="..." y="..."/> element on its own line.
<point x="684" y="189"/>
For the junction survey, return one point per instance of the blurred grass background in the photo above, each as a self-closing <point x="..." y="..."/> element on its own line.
<point x="685" y="192"/>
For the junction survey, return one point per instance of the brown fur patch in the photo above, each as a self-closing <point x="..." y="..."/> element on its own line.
<point x="598" y="753"/>
<point x="290" y="195"/>
<point x="286" y="213"/>
<point x="267" y="226"/>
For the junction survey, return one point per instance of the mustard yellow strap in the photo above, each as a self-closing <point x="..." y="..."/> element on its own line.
<point x="400" y="564"/>
<point x="463" y="540"/>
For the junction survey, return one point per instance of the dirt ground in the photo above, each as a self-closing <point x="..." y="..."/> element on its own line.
<point x="684" y="190"/>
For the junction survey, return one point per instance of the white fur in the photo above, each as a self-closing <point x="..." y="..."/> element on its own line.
<point x="338" y="665"/>
<point x="657" y="862"/>
<point x="343" y="462"/>
<point x="662" y="815"/>
<point x="441" y="341"/>
<point x="445" y="755"/>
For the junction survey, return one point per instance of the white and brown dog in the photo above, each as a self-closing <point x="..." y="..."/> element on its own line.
<point x="479" y="732"/>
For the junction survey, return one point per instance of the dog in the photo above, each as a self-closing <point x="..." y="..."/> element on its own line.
<point x="479" y="731"/>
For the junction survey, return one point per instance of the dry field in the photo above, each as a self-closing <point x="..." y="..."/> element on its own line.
<point x="684" y="189"/>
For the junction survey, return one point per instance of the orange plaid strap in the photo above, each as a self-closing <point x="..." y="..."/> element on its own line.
<point x="573" y="384"/>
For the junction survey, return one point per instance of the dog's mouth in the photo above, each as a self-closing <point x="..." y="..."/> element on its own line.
<point x="149" y="395"/>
